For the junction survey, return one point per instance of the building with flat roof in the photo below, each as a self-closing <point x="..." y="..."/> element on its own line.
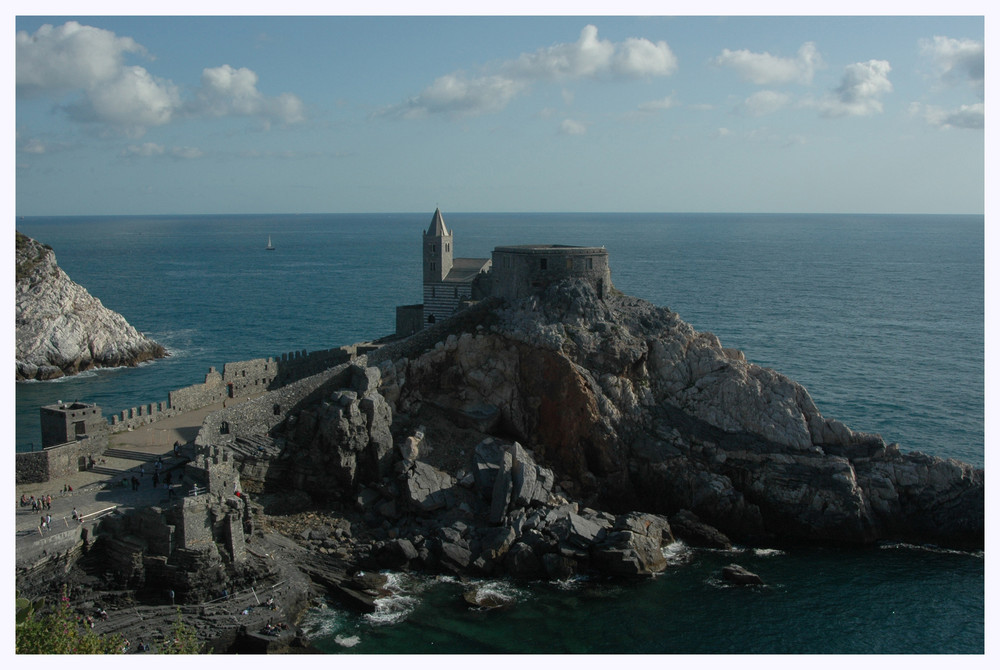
<point x="513" y="272"/>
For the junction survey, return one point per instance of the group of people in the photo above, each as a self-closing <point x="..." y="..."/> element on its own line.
<point x="37" y="504"/>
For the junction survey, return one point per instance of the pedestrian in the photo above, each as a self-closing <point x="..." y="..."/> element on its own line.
<point x="48" y="521"/>
<point x="142" y="471"/>
<point x="76" y="516"/>
<point x="48" y="501"/>
<point x="43" y="525"/>
<point x="34" y="504"/>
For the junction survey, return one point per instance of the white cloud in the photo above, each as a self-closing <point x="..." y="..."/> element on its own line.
<point x="764" y="102"/>
<point x="589" y="57"/>
<point x="860" y="90"/>
<point x="971" y="117"/>
<point x="462" y="96"/>
<point x="69" y="57"/>
<point x="34" y="146"/>
<point x="229" y="91"/>
<point x="571" y="127"/>
<point x="586" y="57"/>
<point x="144" y="150"/>
<point x="957" y="61"/>
<point x="765" y="69"/>
<point x="151" y="149"/>
<point x="639" y="57"/>
<point x="658" y="105"/>
<point x="132" y="101"/>
<point x="89" y="61"/>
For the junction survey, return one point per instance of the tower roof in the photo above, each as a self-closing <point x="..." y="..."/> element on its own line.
<point x="437" y="227"/>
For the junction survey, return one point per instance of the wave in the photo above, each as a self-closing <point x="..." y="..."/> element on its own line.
<point x="931" y="549"/>
<point x="768" y="553"/>
<point x="347" y="640"/>
<point x="400" y="602"/>
<point x="494" y="593"/>
<point x="677" y="553"/>
<point x="392" y="609"/>
<point x="322" y="621"/>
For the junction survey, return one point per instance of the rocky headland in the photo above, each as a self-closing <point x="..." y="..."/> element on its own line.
<point x="61" y="328"/>
<point x="558" y="435"/>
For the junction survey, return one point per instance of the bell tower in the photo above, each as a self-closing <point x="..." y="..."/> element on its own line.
<point x="438" y="254"/>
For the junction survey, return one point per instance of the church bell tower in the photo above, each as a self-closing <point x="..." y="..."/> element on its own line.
<point x="438" y="254"/>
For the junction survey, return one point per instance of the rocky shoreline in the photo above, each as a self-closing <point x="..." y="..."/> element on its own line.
<point x="560" y="435"/>
<point x="61" y="328"/>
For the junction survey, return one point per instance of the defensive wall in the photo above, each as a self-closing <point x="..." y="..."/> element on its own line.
<point x="519" y="271"/>
<point x="57" y="460"/>
<point x="72" y="433"/>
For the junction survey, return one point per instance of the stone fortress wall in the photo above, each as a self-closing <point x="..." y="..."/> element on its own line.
<point x="519" y="271"/>
<point x="67" y="449"/>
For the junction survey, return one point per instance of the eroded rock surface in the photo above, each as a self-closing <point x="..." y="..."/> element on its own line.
<point x="61" y="328"/>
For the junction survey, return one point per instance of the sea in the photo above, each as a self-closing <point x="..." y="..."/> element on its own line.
<point x="879" y="317"/>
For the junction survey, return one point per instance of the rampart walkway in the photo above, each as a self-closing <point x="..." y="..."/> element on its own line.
<point x="94" y="492"/>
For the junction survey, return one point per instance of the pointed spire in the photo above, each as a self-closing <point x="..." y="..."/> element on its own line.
<point x="437" y="227"/>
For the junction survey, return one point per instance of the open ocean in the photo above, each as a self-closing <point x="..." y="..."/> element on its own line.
<point x="880" y="317"/>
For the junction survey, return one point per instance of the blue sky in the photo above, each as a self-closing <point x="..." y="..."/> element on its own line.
<point x="175" y="115"/>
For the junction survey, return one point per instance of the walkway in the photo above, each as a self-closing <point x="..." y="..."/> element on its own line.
<point x="94" y="493"/>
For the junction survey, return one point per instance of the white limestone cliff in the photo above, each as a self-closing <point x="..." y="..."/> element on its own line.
<point x="61" y="328"/>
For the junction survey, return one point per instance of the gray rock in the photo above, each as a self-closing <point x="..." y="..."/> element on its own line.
<point x="687" y="526"/>
<point x="428" y="489"/>
<point x="455" y="555"/>
<point x="737" y="574"/>
<point x="503" y="487"/>
<point x="61" y="328"/>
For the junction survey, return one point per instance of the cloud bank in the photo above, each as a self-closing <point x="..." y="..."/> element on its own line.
<point x="90" y="64"/>
<point x="860" y="90"/>
<point x="764" y="69"/>
<point x="461" y="94"/>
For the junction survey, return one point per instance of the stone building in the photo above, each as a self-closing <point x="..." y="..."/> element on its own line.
<point x="448" y="281"/>
<point x="70" y="422"/>
<point x="519" y="271"/>
<point x="513" y="272"/>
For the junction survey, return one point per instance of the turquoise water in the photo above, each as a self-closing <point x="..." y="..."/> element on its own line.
<point x="881" y="318"/>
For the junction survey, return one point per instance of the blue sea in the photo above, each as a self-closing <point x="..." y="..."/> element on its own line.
<point x="880" y="317"/>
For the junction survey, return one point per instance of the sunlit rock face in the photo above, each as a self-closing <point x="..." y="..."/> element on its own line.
<point x="61" y="328"/>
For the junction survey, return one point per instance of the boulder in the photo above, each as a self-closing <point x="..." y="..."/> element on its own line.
<point x="687" y="526"/>
<point x="428" y="489"/>
<point x="737" y="574"/>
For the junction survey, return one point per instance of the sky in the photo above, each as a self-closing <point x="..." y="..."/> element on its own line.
<point x="272" y="114"/>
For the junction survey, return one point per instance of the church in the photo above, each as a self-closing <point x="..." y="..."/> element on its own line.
<point x="448" y="281"/>
<point x="512" y="273"/>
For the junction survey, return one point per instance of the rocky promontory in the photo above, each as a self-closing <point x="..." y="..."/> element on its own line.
<point x="61" y="328"/>
<point x="566" y="433"/>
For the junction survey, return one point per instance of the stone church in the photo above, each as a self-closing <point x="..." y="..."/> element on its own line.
<point x="513" y="272"/>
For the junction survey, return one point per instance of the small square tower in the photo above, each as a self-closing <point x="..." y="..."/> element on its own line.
<point x="70" y="421"/>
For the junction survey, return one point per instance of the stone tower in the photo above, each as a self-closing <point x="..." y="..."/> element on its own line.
<point x="438" y="254"/>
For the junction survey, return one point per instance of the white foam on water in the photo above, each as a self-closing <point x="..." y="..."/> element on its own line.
<point x="497" y="593"/>
<point x="768" y="553"/>
<point x="322" y="621"/>
<point x="347" y="641"/>
<point x="677" y="553"/>
<point x="392" y="609"/>
<point x="929" y="548"/>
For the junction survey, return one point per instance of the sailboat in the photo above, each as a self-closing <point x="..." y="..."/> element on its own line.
<point x="269" y="247"/>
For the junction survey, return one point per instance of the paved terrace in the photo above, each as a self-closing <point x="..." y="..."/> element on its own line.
<point x="94" y="491"/>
